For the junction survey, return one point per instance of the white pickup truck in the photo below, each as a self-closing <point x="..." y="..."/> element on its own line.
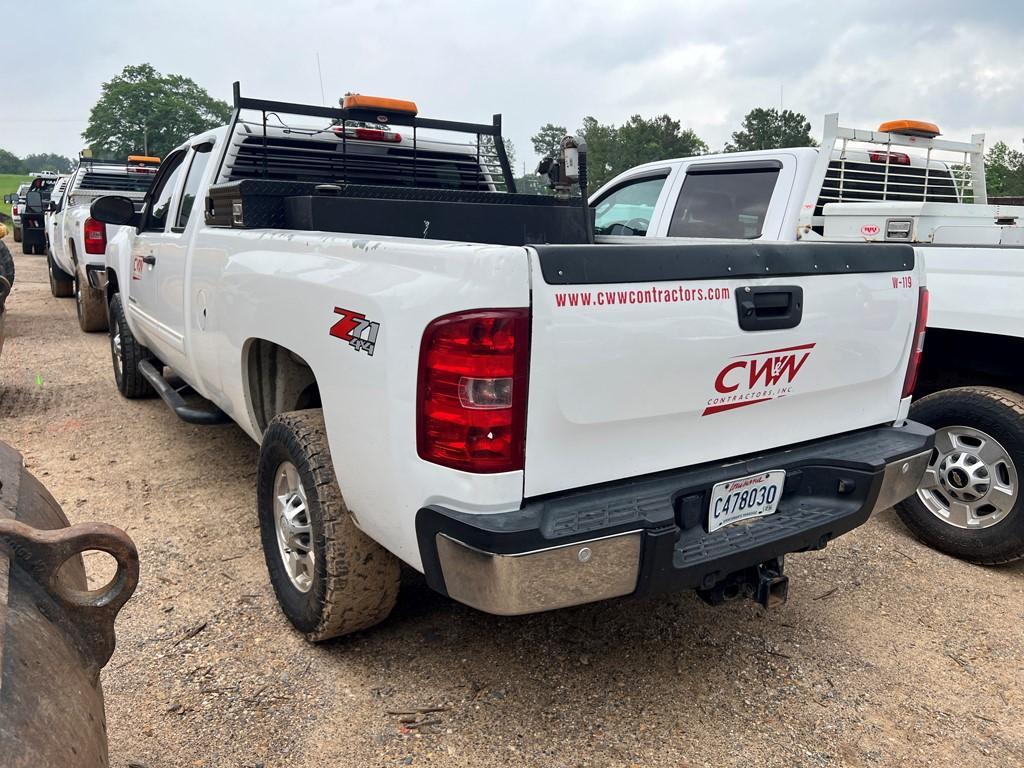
<point x="897" y="184"/>
<point x="384" y="314"/>
<point x="78" y="243"/>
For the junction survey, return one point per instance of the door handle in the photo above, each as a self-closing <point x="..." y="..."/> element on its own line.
<point x="149" y="258"/>
<point x="769" y="307"/>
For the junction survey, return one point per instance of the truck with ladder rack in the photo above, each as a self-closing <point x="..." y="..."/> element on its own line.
<point x="899" y="184"/>
<point x="78" y="243"/>
<point x="367" y="295"/>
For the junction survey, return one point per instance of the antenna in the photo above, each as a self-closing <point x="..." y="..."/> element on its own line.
<point x="323" y="97"/>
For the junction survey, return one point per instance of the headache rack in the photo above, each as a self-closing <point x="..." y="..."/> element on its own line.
<point x="114" y="176"/>
<point x="865" y="166"/>
<point x="374" y="170"/>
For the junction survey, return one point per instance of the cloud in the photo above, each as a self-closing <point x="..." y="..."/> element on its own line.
<point x="539" y="61"/>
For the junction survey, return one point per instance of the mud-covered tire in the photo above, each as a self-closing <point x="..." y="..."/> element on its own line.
<point x="62" y="285"/>
<point x="126" y="353"/>
<point x="354" y="582"/>
<point x="998" y="413"/>
<point x="90" y="304"/>
<point x="6" y="263"/>
<point x="17" y="234"/>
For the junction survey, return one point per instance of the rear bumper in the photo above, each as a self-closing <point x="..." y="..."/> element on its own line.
<point x="649" y="534"/>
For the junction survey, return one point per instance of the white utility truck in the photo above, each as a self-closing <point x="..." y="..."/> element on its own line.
<point x="377" y="307"/>
<point x="78" y="243"/>
<point x="899" y="184"/>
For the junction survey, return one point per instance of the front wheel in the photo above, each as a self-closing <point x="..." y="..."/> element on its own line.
<point x="970" y="503"/>
<point x="126" y="353"/>
<point x="330" y="578"/>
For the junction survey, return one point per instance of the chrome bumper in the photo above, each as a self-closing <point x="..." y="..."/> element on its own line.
<point x="901" y="479"/>
<point x="530" y="582"/>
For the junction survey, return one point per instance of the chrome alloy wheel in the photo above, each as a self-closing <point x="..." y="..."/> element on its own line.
<point x="115" y="347"/>
<point x="294" y="532"/>
<point x="971" y="481"/>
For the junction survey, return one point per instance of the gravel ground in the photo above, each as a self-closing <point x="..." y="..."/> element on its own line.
<point x="886" y="654"/>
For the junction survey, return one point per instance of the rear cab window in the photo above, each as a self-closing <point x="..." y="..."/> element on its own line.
<point x="725" y="200"/>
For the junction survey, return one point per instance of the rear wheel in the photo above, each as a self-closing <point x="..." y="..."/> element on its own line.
<point x="17" y="234"/>
<point x="970" y="503"/>
<point x="90" y="303"/>
<point x="330" y="578"/>
<point x="62" y="285"/>
<point x="126" y="353"/>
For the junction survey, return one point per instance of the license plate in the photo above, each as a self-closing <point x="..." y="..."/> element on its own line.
<point x="744" y="498"/>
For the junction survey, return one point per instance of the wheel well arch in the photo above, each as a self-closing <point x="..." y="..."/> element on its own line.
<point x="954" y="358"/>
<point x="112" y="284"/>
<point x="277" y="380"/>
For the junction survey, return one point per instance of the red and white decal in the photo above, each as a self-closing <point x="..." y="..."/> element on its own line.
<point x="757" y="378"/>
<point x="902" y="281"/>
<point x="870" y="230"/>
<point x="360" y="333"/>
<point x="137" y="267"/>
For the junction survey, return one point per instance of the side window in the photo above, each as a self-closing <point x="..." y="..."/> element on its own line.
<point x="163" y="189"/>
<point x="627" y="209"/>
<point x="725" y="203"/>
<point x="188" y="195"/>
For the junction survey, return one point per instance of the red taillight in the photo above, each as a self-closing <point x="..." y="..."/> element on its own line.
<point x="370" y="134"/>
<point x="14" y="210"/>
<point x="95" y="236"/>
<point x="894" y="158"/>
<point x="917" y="351"/>
<point x="471" y="400"/>
<point x="375" y="134"/>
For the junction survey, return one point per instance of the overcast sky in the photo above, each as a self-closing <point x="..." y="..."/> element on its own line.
<point x="705" y="63"/>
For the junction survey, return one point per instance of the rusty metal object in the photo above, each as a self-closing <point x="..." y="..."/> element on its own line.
<point x="55" y="634"/>
<point x="5" y="290"/>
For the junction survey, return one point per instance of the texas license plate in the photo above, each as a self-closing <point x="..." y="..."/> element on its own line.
<point x="744" y="498"/>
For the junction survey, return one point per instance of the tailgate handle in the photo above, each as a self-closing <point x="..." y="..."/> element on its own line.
<point x="769" y="307"/>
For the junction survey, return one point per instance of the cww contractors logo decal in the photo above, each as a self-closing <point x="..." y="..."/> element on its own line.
<point x="757" y="378"/>
<point x="360" y="333"/>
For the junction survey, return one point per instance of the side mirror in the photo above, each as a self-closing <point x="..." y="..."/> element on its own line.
<point x="34" y="199"/>
<point x="114" y="209"/>
<point x="8" y="199"/>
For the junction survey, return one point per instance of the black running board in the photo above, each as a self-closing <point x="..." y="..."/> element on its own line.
<point x="172" y="397"/>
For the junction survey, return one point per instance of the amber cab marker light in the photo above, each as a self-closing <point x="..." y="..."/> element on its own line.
<point x="911" y="128"/>
<point x="358" y="101"/>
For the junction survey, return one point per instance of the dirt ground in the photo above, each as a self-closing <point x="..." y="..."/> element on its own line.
<point x="886" y="654"/>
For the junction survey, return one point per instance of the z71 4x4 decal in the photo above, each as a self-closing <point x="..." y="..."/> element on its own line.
<point x="757" y="377"/>
<point x="360" y="333"/>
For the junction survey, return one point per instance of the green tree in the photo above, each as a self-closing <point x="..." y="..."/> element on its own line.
<point x="612" y="150"/>
<point x="141" y="110"/>
<point x="771" y="129"/>
<point x="47" y="161"/>
<point x="548" y="139"/>
<point x="1004" y="170"/>
<point x="10" y="163"/>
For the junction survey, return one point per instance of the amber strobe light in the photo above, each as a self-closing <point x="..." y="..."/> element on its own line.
<point x="471" y="403"/>
<point x="358" y="101"/>
<point x="910" y="128"/>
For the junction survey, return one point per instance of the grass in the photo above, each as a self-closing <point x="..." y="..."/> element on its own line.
<point x="9" y="183"/>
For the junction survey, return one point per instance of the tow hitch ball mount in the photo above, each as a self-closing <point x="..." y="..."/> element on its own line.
<point x="764" y="583"/>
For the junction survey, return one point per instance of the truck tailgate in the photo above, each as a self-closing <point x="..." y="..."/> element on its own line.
<point x="639" y="362"/>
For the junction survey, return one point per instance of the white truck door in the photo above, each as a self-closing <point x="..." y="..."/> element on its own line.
<point x="155" y="296"/>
